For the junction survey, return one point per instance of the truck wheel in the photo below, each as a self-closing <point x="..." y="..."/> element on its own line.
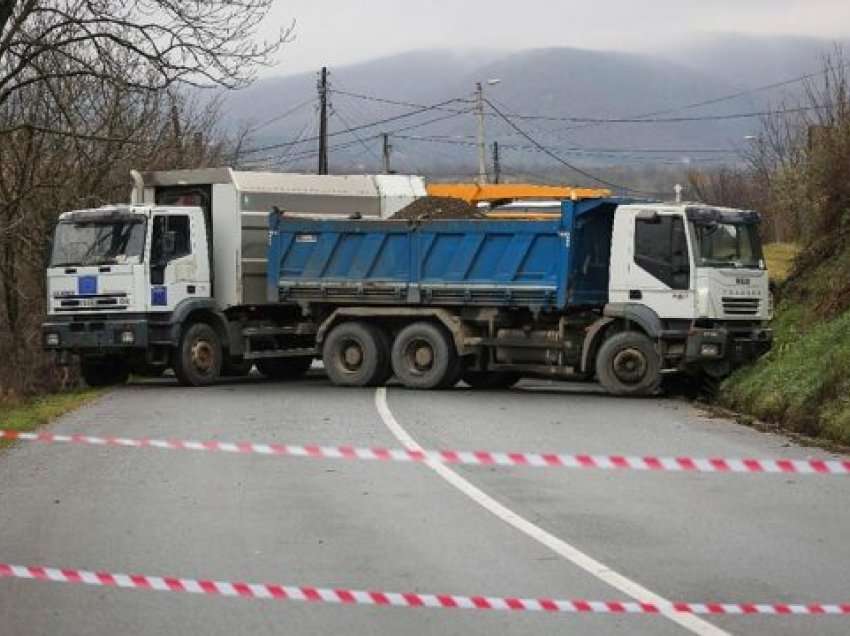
<point x="628" y="364"/>
<point x="285" y="368"/>
<point x="491" y="379"/>
<point x="424" y="357"/>
<point x="199" y="357"/>
<point x="102" y="372"/>
<point x="357" y="354"/>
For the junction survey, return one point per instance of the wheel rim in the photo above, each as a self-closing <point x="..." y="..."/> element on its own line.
<point x="351" y="356"/>
<point x="203" y="356"/>
<point x="420" y="356"/>
<point x="630" y="366"/>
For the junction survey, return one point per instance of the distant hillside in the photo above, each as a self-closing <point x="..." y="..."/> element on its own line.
<point x="561" y="82"/>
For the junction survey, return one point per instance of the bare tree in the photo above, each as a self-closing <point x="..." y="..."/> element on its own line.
<point x="88" y="90"/>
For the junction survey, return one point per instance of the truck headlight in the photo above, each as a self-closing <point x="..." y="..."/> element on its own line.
<point x="710" y="350"/>
<point x="128" y="338"/>
<point x="52" y="340"/>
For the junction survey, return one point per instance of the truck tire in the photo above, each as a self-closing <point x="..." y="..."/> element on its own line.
<point x="357" y="354"/>
<point x="628" y="364"/>
<point x="424" y="357"/>
<point x="102" y="372"/>
<point x="199" y="357"/>
<point x="491" y="379"/>
<point x="285" y="368"/>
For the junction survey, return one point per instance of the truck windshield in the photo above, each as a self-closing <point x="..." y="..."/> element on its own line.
<point x="112" y="242"/>
<point x="727" y="245"/>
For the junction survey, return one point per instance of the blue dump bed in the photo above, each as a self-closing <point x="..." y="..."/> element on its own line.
<point x="539" y="265"/>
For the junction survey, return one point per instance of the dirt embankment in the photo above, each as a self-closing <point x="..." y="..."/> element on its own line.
<point x="438" y="209"/>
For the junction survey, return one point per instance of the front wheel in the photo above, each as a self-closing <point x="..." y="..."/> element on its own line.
<point x="199" y="357"/>
<point x="103" y="372"/>
<point x="629" y="365"/>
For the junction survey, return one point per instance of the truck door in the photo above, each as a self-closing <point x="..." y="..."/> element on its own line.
<point x="175" y="271"/>
<point x="659" y="274"/>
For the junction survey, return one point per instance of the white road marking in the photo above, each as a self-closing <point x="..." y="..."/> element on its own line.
<point x="631" y="588"/>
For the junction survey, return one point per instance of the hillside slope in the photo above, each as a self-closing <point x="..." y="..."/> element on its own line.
<point x="804" y="383"/>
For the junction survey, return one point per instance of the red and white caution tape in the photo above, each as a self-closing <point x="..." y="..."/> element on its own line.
<point x="272" y="591"/>
<point x="467" y="458"/>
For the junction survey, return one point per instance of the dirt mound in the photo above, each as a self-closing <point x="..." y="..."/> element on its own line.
<point x="438" y="209"/>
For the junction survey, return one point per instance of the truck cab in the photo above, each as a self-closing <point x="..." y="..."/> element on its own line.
<point x="118" y="280"/>
<point x="694" y="275"/>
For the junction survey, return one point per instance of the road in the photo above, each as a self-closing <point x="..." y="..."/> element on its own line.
<point x="409" y="527"/>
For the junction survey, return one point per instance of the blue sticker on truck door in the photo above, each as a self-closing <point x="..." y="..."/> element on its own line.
<point x="87" y="285"/>
<point x="159" y="296"/>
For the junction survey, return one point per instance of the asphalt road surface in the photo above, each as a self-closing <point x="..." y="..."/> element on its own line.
<point x="410" y="527"/>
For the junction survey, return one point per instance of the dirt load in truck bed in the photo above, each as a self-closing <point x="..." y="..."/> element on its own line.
<point x="438" y="209"/>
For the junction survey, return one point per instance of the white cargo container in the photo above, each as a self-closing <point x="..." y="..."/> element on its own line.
<point x="237" y="203"/>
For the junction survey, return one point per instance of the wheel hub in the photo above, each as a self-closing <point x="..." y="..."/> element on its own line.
<point x="203" y="356"/>
<point x="630" y="365"/>
<point x="352" y="356"/>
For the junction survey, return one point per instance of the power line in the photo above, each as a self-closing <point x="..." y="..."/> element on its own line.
<point x="648" y="118"/>
<point x="288" y="113"/>
<point x="393" y="102"/>
<point x="364" y="126"/>
<point x="342" y="146"/>
<point x="348" y="128"/>
<point x="662" y="120"/>
<point x="574" y="149"/>
<point x="561" y="160"/>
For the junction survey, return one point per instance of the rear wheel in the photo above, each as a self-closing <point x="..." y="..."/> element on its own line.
<point x="491" y="379"/>
<point x="628" y="364"/>
<point x="285" y="368"/>
<point x="424" y="357"/>
<point x="102" y="372"/>
<point x="357" y="354"/>
<point x="199" y="357"/>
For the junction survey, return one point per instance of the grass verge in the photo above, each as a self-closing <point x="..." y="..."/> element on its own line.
<point x="803" y="384"/>
<point x="30" y="414"/>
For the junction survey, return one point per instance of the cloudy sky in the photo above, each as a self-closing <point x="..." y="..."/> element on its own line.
<point x="338" y="32"/>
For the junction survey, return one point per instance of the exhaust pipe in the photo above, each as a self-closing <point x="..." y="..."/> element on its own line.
<point x="138" y="195"/>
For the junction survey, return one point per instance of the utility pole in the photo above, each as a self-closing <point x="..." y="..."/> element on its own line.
<point x="497" y="163"/>
<point x="323" y="121"/>
<point x="387" y="152"/>
<point x="482" y="142"/>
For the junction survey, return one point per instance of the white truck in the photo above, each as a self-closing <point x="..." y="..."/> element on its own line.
<point x="212" y="272"/>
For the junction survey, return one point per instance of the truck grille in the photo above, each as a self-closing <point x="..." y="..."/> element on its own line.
<point x="103" y="302"/>
<point x="741" y="306"/>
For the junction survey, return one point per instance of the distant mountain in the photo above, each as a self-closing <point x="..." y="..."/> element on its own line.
<point x="558" y="82"/>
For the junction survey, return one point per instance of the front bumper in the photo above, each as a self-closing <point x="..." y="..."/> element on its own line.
<point x="735" y="346"/>
<point x="95" y="334"/>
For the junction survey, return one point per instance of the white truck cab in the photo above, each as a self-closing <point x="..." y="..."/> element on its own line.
<point x="695" y="277"/>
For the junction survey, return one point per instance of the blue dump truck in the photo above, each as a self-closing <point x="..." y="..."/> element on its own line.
<point x="619" y="291"/>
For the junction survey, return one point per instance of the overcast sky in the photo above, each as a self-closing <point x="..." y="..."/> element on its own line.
<point x="338" y="32"/>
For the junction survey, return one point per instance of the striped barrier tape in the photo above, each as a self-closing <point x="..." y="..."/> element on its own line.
<point x="277" y="592"/>
<point x="466" y="458"/>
